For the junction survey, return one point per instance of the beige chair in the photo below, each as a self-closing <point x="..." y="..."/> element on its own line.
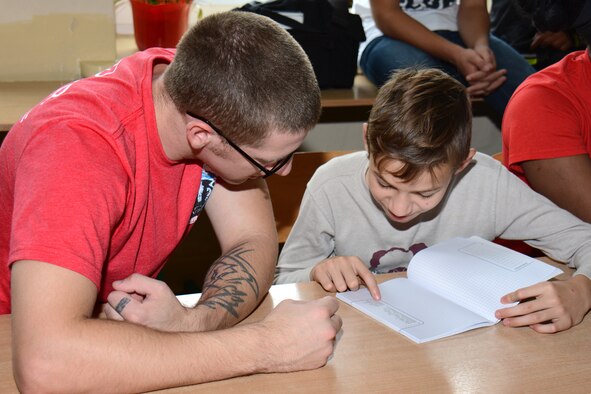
<point x="287" y="191"/>
<point x="498" y="156"/>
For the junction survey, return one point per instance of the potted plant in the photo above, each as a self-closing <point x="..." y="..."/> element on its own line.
<point x="159" y="23"/>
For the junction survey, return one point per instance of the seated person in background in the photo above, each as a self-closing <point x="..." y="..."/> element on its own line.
<point x="547" y="126"/>
<point x="419" y="183"/>
<point x="101" y="181"/>
<point x="513" y="25"/>
<point x="440" y="34"/>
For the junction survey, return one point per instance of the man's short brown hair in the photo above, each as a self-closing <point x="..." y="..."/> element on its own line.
<point x="247" y="75"/>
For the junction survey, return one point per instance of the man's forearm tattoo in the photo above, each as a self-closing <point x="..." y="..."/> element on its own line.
<point x="225" y="281"/>
<point x="122" y="304"/>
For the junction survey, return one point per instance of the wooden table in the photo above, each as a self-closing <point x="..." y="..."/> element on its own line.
<point x="371" y="358"/>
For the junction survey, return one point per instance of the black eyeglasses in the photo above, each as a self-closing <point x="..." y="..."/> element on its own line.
<point x="276" y="167"/>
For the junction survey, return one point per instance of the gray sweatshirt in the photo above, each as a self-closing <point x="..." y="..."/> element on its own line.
<point x="338" y="217"/>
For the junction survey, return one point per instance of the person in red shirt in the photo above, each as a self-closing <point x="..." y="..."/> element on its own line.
<point x="547" y="124"/>
<point x="101" y="181"/>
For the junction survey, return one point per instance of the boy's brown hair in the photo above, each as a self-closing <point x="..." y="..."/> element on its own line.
<point x="422" y="117"/>
<point x="245" y="74"/>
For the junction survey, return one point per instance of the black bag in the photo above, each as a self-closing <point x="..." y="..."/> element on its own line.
<point x="330" y="36"/>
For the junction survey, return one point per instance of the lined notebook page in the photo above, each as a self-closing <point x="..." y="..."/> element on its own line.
<point x="476" y="273"/>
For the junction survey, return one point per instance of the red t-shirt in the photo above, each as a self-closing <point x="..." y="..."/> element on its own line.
<point x="85" y="183"/>
<point x="549" y="114"/>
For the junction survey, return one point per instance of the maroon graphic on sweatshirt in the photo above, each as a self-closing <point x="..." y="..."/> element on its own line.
<point x="374" y="263"/>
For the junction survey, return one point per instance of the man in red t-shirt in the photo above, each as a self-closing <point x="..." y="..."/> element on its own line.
<point x="102" y="180"/>
<point x="547" y="124"/>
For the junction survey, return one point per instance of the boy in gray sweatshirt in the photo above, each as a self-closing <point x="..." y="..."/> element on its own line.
<point x="419" y="183"/>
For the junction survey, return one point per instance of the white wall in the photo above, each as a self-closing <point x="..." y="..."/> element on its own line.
<point x="486" y="137"/>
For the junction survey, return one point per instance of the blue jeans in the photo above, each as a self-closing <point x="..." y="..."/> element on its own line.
<point x="383" y="55"/>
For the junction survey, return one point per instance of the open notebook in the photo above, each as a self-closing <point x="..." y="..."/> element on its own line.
<point x="451" y="287"/>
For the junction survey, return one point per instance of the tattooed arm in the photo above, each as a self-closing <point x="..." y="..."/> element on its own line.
<point x="242" y="218"/>
<point x="52" y="331"/>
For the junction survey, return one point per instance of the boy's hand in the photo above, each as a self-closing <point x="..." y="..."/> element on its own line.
<point x="548" y="307"/>
<point x="342" y="273"/>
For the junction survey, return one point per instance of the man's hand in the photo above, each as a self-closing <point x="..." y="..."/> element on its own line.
<point x="468" y="61"/>
<point x="554" y="40"/>
<point x="482" y="84"/>
<point x="148" y="302"/>
<point x="300" y="335"/>
<point x="548" y="307"/>
<point x="479" y="68"/>
<point x="487" y="55"/>
<point x="343" y="273"/>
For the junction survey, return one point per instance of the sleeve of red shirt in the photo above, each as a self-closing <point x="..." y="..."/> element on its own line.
<point x="540" y="122"/>
<point x="70" y="192"/>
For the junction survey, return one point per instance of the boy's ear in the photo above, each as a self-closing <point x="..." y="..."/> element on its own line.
<point x="467" y="160"/>
<point x="365" y="136"/>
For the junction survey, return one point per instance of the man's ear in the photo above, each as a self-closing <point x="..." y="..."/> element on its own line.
<point x="467" y="160"/>
<point x="198" y="134"/>
<point x="365" y="136"/>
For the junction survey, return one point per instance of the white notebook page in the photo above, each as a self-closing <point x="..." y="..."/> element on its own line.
<point x="476" y="273"/>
